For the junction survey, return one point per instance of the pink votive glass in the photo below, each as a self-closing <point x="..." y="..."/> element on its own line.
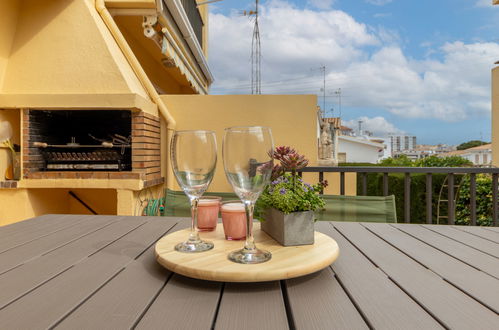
<point x="208" y="208"/>
<point x="234" y="220"/>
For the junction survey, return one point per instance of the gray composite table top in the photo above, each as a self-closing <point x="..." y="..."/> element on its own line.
<point x="98" y="272"/>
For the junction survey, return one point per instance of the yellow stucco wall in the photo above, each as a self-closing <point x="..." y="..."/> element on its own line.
<point x="102" y="201"/>
<point x="130" y="3"/>
<point x="495" y="116"/>
<point x="205" y="14"/>
<point x="8" y="21"/>
<point x="291" y="117"/>
<point x="20" y="204"/>
<point x="63" y="47"/>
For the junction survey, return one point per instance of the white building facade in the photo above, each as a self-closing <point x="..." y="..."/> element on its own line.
<point x="481" y="155"/>
<point x="359" y="150"/>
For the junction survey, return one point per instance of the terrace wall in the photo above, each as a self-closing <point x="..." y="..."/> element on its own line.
<point x="293" y="119"/>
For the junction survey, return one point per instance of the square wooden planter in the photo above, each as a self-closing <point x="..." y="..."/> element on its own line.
<point x="296" y="228"/>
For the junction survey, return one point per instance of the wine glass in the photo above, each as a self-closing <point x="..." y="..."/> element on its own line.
<point x="194" y="156"/>
<point x="248" y="166"/>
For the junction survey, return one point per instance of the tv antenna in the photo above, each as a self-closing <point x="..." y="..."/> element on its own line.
<point x="256" y="55"/>
<point x="338" y="93"/>
<point x="322" y="69"/>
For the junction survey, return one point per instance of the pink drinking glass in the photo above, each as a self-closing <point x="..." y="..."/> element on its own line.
<point x="208" y="208"/>
<point x="234" y="220"/>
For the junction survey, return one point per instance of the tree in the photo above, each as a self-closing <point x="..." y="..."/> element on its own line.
<point x="451" y="161"/>
<point x="470" y="144"/>
<point x="401" y="160"/>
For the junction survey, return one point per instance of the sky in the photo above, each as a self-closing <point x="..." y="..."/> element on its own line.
<point x="407" y="67"/>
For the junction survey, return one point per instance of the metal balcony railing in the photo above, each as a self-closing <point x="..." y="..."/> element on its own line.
<point x="190" y="8"/>
<point x="451" y="172"/>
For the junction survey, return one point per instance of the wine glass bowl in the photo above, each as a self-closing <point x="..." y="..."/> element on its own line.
<point x="248" y="167"/>
<point x="194" y="157"/>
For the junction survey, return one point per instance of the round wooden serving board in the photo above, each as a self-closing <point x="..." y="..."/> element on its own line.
<point x="213" y="265"/>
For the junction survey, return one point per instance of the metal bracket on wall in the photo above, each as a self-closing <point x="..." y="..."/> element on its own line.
<point x="148" y="24"/>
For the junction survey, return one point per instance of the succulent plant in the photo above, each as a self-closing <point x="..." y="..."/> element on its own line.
<point x="293" y="162"/>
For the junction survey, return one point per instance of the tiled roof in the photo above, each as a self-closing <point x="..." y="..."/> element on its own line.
<point x="452" y="153"/>
<point x="482" y="147"/>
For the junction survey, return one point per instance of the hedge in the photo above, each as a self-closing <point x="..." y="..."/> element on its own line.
<point x="396" y="187"/>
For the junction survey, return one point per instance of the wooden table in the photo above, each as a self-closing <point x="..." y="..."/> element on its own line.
<point x="95" y="272"/>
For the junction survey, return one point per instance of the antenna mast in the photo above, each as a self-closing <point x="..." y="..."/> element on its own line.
<point x="323" y="70"/>
<point x="256" y="80"/>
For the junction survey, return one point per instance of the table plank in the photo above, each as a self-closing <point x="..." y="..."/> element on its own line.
<point x="477" y="284"/>
<point x="32" y="223"/>
<point x="184" y="303"/>
<point x="480" y="231"/>
<point x="26" y="231"/>
<point x="466" y="254"/>
<point x="318" y="301"/>
<point x="450" y="306"/>
<point x="382" y="302"/>
<point x="20" y="280"/>
<point x="467" y="239"/>
<point x="252" y="306"/>
<point x="121" y="302"/>
<point x="52" y="301"/>
<point x="23" y="253"/>
<point x="494" y="229"/>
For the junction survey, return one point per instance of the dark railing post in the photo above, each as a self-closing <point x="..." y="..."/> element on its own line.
<point x="385" y="184"/>
<point x="494" y="200"/>
<point x="364" y="184"/>
<point x="450" y="200"/>
<point x="407" y="197"/>
<point x="342" y="183"/>
<point x="429" y="198"/>
<point x="473" y="199"/>
<point x="321" y="178"/>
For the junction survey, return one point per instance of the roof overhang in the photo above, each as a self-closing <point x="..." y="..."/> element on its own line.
<point x="361" y="141"/>
<point x="173" y="21"/>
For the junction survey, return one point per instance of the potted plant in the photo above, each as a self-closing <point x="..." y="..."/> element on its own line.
<point x="287" y="204"/>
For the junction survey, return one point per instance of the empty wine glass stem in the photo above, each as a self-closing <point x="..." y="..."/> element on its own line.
<point x="250" y="242"/>
<point x="194" y="236"/>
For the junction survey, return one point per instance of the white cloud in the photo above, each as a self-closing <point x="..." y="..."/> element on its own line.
<point x="379" y="126"/>
<point x="293" y="42"/>
<point x="367" y="63"/>
<point x="321" y="4"/>
<point x="378" y="2"/>
<point x="483" y="3"/>
<point x="453" y="89"/>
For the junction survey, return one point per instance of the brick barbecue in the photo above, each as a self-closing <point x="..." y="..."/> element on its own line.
<point x="91" y="144"/>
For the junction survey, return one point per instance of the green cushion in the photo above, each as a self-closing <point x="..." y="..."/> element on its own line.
<point x="338" y="208"/>
<point x="358" y="209"/>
